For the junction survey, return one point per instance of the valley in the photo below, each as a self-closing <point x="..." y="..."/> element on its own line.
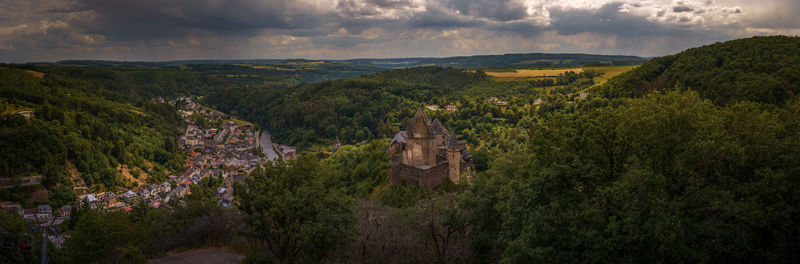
<point x="511" y="158"/>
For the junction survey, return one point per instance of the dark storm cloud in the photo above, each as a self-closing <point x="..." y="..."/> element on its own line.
<point x="438" y="17"/>
<point x="680" y="8"/>
<point x="160" y="29"/>
<point x="498" y="10"/>
<point x="158" y="19"/>
<point x="606" y="20"/>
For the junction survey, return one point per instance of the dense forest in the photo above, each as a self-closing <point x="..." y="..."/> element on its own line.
<point x="377" y="105"/>
<point x="629" y="176"/>
<point x="81" y="124"/>
<point x="759" y="69"/>
<point x="686" y="158"/>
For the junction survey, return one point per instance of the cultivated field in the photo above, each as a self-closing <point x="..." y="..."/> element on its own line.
<point x="528" y="73"/>
<point x="608" y="72"/>
<point x="518" y="75"/>
<point x="35" y="73"/>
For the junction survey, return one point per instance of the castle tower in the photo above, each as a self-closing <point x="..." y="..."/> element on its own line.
<point x="420" y="148"/>
<point x="453" y="160"/>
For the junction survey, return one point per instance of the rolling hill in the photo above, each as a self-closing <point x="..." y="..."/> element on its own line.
<point x="759" y="69"/>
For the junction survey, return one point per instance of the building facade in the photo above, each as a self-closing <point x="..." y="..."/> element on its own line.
<point x="426" y="155"/>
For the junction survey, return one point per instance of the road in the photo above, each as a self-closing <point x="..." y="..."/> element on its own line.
<point x="201" y="256"/>
<point x="27" y="181"/>
<point x="266" y="144"/>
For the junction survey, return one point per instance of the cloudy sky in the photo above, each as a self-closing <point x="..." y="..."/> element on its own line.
<point x="156" y="30"/>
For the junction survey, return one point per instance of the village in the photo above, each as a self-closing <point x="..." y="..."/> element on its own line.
<point x="226" y="153"/>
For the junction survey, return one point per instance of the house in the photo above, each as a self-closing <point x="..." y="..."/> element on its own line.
<point x="496" y="101"/>
<point x="107" y="198"/>
<point x="144" y="192"/>
<point x="165" y="187"/>
<point x="288" y="152"/>
<point x="90" y="199"/>
<point x="29" y="214"/>
<point x="26" y="114"/>
<point x="583" y="95"/>
<point x="432" y="107"/>
<point x="538" y="101"/>
<point x="44" y="211"/>
<point x="65" y="211"/>
<point x="129" y="196"/>
<point x="13" y="208"/>
<point x="451" y="108"/>
<point x="181" y="190"/>
<point x="154" y="189"/>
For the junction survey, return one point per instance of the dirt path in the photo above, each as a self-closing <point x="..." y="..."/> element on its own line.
<point x="201" y="256"/>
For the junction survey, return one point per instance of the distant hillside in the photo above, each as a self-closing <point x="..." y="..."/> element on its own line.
<point x="760" y="69"/>
<point x="353" y="109"/>
<point x="533" y="60"/>
<point x="367" y="65"/>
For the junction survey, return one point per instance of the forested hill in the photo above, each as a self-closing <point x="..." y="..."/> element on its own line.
<point x="355" y="109"/>
<point x="83" y="123"/>
<point x="366" y="65"/>
<point x="138" y="82"/>
<point x="760" y="69"/>
<point x="532" y="60"/>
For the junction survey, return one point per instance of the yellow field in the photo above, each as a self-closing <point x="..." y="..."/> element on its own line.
<point x="608" y="72"/>
<point x="520" y="75"/>
<point x="519" y="79"/>
<point x="526" y="73"/>
<point x="35" y="73"/>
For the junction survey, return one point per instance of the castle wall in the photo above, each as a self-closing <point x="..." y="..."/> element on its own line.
<point x="431" y="177"/>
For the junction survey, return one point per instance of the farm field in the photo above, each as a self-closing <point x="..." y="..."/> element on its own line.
<point x="608" y="72"/>
<point x="519" y="75"/>
<point x="531" y="73"/>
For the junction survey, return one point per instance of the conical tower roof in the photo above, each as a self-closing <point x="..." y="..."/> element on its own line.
<point x="437" y="128"/>
<point x="421" y="119"/>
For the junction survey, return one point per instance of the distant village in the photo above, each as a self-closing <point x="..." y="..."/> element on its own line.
<point x="228" y="153"/>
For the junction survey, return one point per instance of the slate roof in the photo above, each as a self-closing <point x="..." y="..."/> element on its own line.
<point x="419" y="115"/>
<point x="437" y="128"/>
<point x="400" y="137"/>
<point x="453" y="143"/>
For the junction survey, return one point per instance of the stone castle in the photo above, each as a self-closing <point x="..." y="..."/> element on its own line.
<point x="426" y="155"/>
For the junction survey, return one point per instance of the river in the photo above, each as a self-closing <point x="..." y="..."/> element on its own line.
<point x="266" y="145"/>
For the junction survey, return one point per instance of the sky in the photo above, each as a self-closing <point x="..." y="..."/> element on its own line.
<point x="159" y="30"/>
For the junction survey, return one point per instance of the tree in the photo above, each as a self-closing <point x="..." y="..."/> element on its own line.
<point x="101" y="235"/>
<point x="293" y="214"/>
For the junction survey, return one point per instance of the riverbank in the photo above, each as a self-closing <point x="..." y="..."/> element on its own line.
<point x="265" y="141"/>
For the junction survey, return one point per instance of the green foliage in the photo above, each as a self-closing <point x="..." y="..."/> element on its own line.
<point x="759" y="69"/>
<point x="355" y="109"/>
<point x="667" y="177"/>
<point x="292" y="211"/>
<point x="101" y="236"/>
<point x="83" y="122"/>
<point x="358" y="170"/>
<point x="145" y="232"/>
